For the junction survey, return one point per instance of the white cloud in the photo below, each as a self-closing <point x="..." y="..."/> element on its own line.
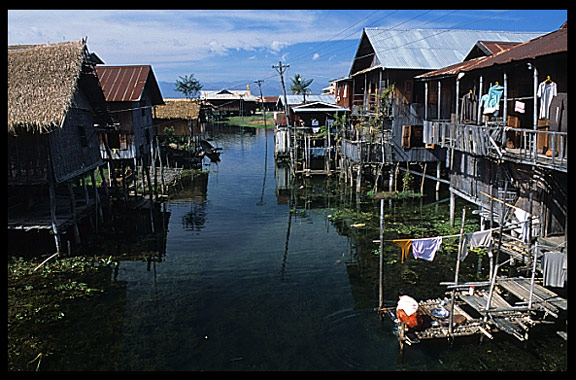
<point x="217" y="47"/>
<point x="315" y="56"/>
<point x="172" y="40"/>
<point x="276" y="46"/>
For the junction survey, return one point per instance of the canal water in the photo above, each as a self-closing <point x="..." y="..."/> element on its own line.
<point x="256" y="271"/>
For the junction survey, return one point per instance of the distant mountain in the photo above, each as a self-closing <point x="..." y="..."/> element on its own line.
<point x="269" y="88"/>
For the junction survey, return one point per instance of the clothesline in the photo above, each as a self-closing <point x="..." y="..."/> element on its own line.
<point x="509" y="227"/>
<point x="435" y="237"/>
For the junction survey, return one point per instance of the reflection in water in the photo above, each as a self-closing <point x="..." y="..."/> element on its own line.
<point x="268" y="273"/>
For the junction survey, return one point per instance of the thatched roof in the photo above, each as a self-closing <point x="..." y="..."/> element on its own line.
<point x="41" y="82"/>
<point x="177" y="109"/>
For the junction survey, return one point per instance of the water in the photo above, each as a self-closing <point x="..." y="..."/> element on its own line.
<point x="257" y="277"/>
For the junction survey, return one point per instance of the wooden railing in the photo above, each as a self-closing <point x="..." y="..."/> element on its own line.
<point x="542" y="148"/>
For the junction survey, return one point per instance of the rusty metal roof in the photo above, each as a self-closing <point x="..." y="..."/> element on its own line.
<point x="484" y="48"/>
<point x="554" y="42"/>
<point x="126" y="83"/>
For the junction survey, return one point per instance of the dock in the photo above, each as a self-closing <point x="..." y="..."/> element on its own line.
<point x="514" y="319"/>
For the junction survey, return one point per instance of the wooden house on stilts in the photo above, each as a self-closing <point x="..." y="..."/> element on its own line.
<point x="388" y="105"/>
<point x="506" y="151"/>
<point x="131" y="92"/>
<point x="54" y="103"/>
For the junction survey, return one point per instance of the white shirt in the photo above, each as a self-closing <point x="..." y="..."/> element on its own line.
<point x="408" y="304"/>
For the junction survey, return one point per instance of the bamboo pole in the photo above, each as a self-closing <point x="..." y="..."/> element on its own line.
<point x="381" y="275"/>
<point x="73" y="212"/>
<point x="457" y="271"/>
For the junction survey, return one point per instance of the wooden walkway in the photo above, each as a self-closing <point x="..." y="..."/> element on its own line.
<point x="542" y="298"/>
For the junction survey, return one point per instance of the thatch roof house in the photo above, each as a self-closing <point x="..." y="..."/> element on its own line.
<point x="54" y="103"/>
<point x="180" y="114"/>
<point x="54" y="100"/>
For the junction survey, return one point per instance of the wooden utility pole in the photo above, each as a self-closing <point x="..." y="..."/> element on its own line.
<point x="281" y="69"/>
<point x="292" y="145"/>
<point x="259" y="83"/>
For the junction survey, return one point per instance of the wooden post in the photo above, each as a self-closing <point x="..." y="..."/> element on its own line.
<point x="154" y="172"/>
<point x="452" y="207"/>
<point x="438" y="169"/>
<point x="97" y="200"/>
<point x="457" y="270"/>
<point x="423" y="178"/>
<point x="52" y="193"/>
<point x="147" y="172"/>
<point x="163" y="184"/>
<point x="401" y="338"/>
<point x="381" y="276"/>
<point x="439" y="93"/>
<point x="73" y="212"/>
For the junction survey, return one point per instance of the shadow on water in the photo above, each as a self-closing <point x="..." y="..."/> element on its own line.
<point x="254" y="270"/>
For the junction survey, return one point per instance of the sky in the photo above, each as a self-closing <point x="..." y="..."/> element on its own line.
<point x="232" y="48"/>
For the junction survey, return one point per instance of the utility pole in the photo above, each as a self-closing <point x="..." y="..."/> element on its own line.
<point x="259" y="83"/>
<point x="281" y="69"/>
<point x="291" y="146"/>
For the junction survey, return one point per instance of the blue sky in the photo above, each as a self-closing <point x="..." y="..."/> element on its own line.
<point x="228" y="48"/>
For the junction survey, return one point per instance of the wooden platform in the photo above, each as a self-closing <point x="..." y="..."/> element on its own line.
<point x="542" y="299"/>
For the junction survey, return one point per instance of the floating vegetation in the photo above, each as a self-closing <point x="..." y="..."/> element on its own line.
<point x="39" y="300"/>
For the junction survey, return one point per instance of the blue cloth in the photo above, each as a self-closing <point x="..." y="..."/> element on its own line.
<point x="494" y="95"/>
<point x="425" y="249"/>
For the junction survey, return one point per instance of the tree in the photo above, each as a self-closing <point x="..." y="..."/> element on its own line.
<point x="300" y="86"/>
<point x="189" y="86"/>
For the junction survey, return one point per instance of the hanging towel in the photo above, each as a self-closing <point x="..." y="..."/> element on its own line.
<point x="480" y="239"/>
<point x="519" y="107"/>
<point x="425" y="249"/>
<point x="405" y="244"/>
<point x="554" y="268"/>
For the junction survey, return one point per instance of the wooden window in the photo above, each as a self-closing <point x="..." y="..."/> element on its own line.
<point x="82" y="135"/>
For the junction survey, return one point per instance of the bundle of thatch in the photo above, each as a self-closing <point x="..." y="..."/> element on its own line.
<point x="187" y="109"/>
<point x="41" y="82"/>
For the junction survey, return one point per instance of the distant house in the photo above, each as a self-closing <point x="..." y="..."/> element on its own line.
<point x="231" y="102"/>
<point x="179" y="114"/>
<point x="295" y="100"/>
<point x="54" y="102"/>
<point x="131" y="92"/>
<point x="316" y="114"/>
<point x="269" y="104"/>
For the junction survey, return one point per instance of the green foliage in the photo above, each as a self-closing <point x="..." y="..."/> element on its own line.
<point x="188" y="85"/>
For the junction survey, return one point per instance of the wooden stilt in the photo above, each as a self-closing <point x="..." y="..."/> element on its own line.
<point x="97" y="206"/>
<point x="52" y="194"/>
<point x="423" y="178"/>
<point x="73" y="213"/>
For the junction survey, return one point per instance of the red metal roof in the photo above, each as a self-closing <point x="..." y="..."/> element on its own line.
<point x="125" y="83"/>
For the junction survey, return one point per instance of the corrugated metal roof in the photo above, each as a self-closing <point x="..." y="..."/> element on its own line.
<point x="430" y="49"/>
<point x="246" y="95"/>
<point x="297" y="99"/>
<point x="551" y="43"/>
<point x="125" y="83"/>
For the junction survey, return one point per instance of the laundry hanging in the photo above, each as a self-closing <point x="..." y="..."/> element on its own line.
<point x="546" y="91"/>
<point x="480" y="239"/>
<point x="469" y="107"/>
<point x="554" y="267"/>
<point x="426" y="248"/>
<point x="491" y="101"/>
<point x="405" y="244"/>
